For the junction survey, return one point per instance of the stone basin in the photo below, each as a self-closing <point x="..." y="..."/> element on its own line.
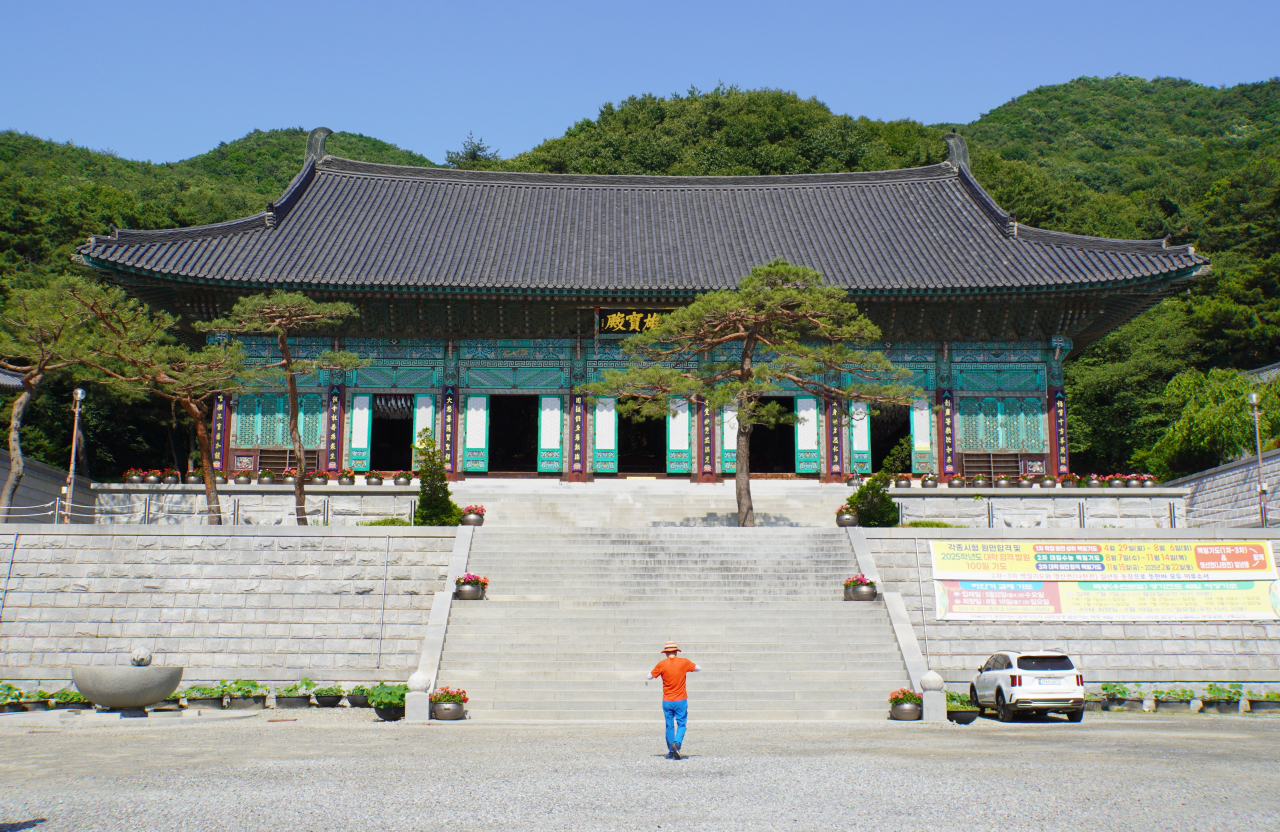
<point x="126" y="687"/>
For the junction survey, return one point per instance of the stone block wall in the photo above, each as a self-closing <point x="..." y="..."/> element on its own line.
<point x="1062" y="508"/>
<point x="332" y="604"/>
<point x="252" y="505"/>
<point x="1228" y="495"/>
<point x="1172" y="654"/>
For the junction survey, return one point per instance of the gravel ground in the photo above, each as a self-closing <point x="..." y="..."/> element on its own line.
<point x="342" y="770"/>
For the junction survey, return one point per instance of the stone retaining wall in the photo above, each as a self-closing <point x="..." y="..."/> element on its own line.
<point x="252" y="505"/>
<point x="1058" y="508"/>
<point x="331" y="604"/>
<point x="1228" y="495"/>
<point x="1174" y="654"/>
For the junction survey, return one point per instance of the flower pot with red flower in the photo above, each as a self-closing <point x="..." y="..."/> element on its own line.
<point x="859" y="588"/>
<point x="473" y="515"/>
<point x="447" y="702"/>
<point x="318" y="477"/>
<point x="170" y="476"/>
<point x="135" y="475"/>
<point x="905" y="704"/>
<point x="470" y="587"/>
<point x="290" y="476"/>
<point x="346" y="477"/>
<point x="403" y="478"/>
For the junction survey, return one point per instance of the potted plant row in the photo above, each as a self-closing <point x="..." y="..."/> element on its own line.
<point x="388" y="701"/>
<point x="266" y="478"/>
<point x="1264" y="701"/>
<point x="346" y="477"/>
<point x="290" y="475"/>
<point x="403" y="478"/>
<point x="372" y="478"/>
<point x="447" y="702"/>
<point x="317" y="477"/>
<point x="859" y="588"/>
<point x="960" y="708"/>
<point x="846" y="516"/>
<point x="358" y="697"/>
<point x="296" y="695"/>
<point x="470" y="587"/>
<point x="905" y="704"/>
<point x="473" y="515"/>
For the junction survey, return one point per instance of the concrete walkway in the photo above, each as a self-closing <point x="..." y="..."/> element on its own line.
<point x="344" y="771"/>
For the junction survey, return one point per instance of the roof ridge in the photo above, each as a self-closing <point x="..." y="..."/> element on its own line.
<point x="337" y="164"/>
<point x="262" y="219"/>
<point x="1159" y="245"/>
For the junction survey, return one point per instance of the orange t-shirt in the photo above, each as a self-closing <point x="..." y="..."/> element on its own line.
<point x="673" y="672"/>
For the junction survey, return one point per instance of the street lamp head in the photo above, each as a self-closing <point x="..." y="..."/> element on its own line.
<point x="1253" y="398"/>
<point x="78" y="394"/>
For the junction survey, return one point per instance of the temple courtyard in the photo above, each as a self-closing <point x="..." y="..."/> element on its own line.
<point x="342" y="770"/>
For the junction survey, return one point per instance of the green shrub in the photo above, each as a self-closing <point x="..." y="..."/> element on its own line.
<point x="435" y="504"/>
<point x="871" y="501"/>
<point x="299" y="688"/>
<point x="386" y="521"/>
<point x="68" y="695"/>
<point x="957" y="701"/>
<point x="928" y="524"/>
<point x="1216" y="693"/>
<point x="358" y="690"/>
<point x="335" y="690"/>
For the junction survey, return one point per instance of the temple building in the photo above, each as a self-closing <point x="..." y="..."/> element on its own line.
<point x="486" y="298"/>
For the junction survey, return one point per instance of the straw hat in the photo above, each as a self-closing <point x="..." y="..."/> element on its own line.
<point x="670" y="648"/>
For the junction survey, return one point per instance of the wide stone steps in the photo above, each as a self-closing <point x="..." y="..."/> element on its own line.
<point x="574" y="620"/>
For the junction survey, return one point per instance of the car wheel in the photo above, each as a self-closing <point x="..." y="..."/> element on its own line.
<point x="973" y="700"/>
<point x="1076" y="716"/>
<point x="1003" y="712"/>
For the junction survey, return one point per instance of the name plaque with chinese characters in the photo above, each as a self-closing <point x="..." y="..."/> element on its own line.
<point x="1060" y="429"/>
<point x="447" y="427"/>
<point x="219" y="430"/>
<point x="948" y="433"/>
<point x="334" y="416"/>
<point x="628" y="321"/>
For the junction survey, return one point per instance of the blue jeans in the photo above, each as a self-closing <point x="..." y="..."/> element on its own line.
<point x="677" y="714"/>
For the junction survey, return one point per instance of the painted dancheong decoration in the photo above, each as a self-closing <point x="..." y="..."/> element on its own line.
<point x="548" y="311"/>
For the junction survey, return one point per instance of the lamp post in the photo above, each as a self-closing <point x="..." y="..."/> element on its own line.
<point x="1254" y="399"/>
<point x="77" y="396"/>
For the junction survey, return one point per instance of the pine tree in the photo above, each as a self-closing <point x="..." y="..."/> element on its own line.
<point x="435" y="504"/>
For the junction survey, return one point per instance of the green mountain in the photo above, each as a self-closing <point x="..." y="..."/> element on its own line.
<point x="1115" y="157"/>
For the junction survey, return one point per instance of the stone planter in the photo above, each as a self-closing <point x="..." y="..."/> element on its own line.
<point x="151" y="479"/>
<point x="1048" y="482"/>
<point x="247" y="703"/>
<point x="846" y="519"/>
<point x="357" y="700"/>
<point x="955" y="482"/>
<point x="1173" y="706"/>
<point x="346" y="480"/>
<point x="390" y="714"/>
<point x="859" y="593"/>
<point x="446" y="710"/>
<point x="71" y="706"/>
<point x="1220" y="706"/>
<point x="378" y="481"/>
<point x="403" y="481"/>
<point x="194" y="479"/>
<point x="126" y="687"/>
<point x="962" y="717"/>
<point x="473" y="519"/>
<point x="171" y="480"/>
<point x="173" y="703"/>
<point x="902" y="482"/>
<point x="319" y="480"/>
<point x="329" y="701"/>
<point x="206" y="702"/>
<point x="928" y="483"/>
<point x="285" y="703"/>
<point x="1264" y="705"/>
<point x="266" y="480"/>
<point x="244" y="479"/>
<point x="1093" y="704"/>
<point x="1131" y="704"/>
<point x="906" y="711"/>
<point x="30" y="705"/>
<point x="469" y="592"/>
<point x="133" y="480"/>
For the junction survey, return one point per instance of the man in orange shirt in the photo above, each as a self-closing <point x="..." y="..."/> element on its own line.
<point x="675" y="699"/>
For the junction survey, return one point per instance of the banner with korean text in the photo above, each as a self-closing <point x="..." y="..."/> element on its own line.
<point x="1129" y="580"/>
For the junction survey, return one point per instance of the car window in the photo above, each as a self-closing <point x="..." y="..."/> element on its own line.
<point x="1045" y="663"/>
<point x="988" y="664"/>
<point x="999" y="662"/>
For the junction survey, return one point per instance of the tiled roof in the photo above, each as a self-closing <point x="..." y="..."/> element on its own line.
<point x="347" y="224"/>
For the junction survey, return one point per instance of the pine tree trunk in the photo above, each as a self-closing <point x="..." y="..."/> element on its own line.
<point x="15" y="446"/>
<point x="299" y="492"/>
<point x="742" y="477"/>
<point x="212" y="504"/>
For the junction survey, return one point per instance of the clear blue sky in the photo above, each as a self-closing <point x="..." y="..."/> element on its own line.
<point x="168" y="80"/>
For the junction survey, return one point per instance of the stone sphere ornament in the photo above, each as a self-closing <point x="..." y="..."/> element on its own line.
<point x="932" y="681"/>
<point x="419" y="682"/>
<point x="141" y="657"/>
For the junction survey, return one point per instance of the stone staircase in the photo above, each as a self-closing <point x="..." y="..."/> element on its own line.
<point x="611" y="504"/>
<point x="575" y="619"/>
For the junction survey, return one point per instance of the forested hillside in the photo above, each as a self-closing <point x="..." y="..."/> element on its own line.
<point x="1115" y="157"/>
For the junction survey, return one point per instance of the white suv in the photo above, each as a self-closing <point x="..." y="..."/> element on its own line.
<point x="1044" y="682"/>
